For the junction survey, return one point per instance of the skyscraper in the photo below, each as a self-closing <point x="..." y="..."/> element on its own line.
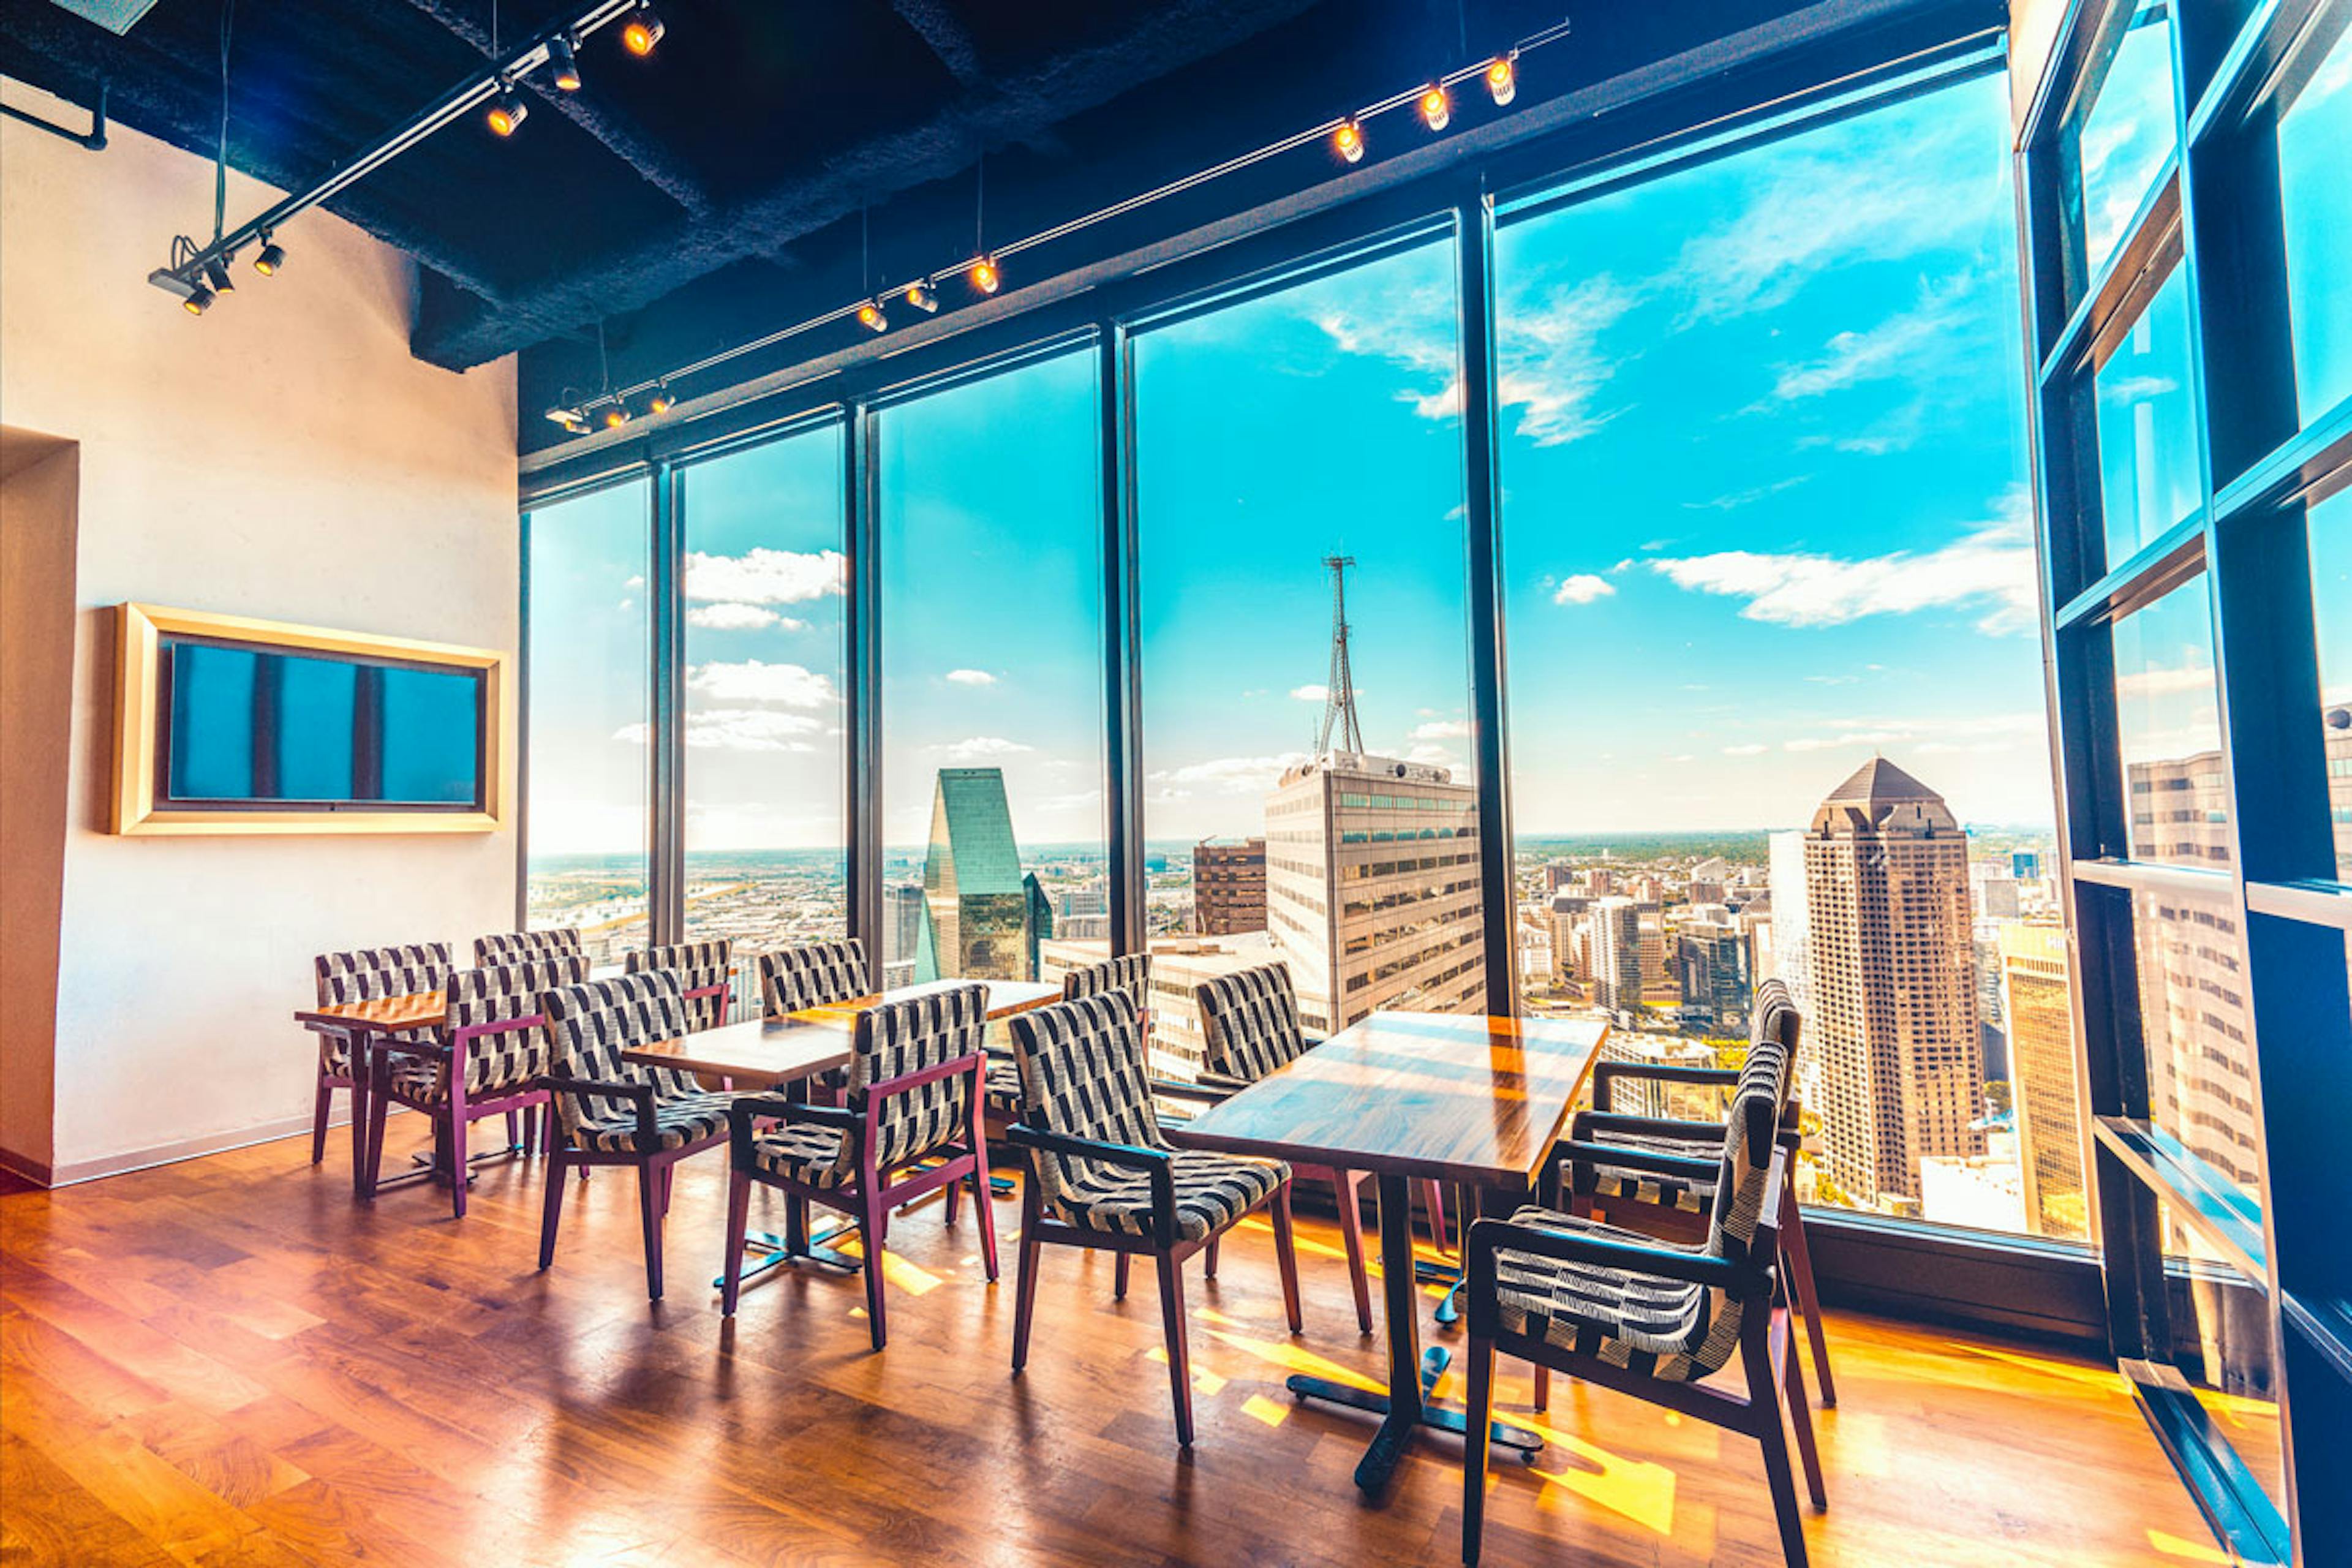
<point x="1228" y="886"/>
<point x="1711" y="967"/>
<point x="2032" y="971"/>
<point x="1894" y="1005"/>
<point x="1614" y="949"/>
<point x="1791" y="927"/>
<point x="980" y="913"/>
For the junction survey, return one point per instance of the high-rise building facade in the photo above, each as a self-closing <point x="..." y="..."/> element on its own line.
<point x="1792" y="956"/>
<point x="1614" y="949"/>
<point x="1711" y="963"/>
<point x="1893" y="985"/>
<point x="979" y="911"/>
<point x="1371" y="889"/>
<point x="1228" y="886"/>
<point x="2034" y="996"/>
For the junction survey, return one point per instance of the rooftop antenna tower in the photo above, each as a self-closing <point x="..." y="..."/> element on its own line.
<point x="1340" y="696"/>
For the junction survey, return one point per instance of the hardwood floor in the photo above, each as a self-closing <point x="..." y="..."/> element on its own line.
<point x="229" y="1361"/>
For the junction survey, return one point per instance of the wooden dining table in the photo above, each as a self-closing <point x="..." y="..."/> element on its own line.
<point x="1476" y="1101"/>
<point x="788" y="1053"/>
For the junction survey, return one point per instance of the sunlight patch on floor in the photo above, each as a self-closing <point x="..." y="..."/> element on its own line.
<point x="2185" y="1551"/>
<point x="1293" y="1358"/>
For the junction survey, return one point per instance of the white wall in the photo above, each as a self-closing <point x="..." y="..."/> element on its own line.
<point x="282" y="456"/>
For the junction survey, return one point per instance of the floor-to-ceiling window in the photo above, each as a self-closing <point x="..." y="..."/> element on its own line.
<point x="989" y="527"/>
<point x="590" y="659"/>
<point x="1776" y="703"/>
<point x="1309" y="791"/>
<point x="762" y="585"/>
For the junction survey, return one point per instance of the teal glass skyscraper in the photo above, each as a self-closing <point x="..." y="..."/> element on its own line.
<point x="979" y="914"/>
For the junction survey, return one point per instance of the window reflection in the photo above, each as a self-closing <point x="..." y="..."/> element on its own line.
<point x="2123" y="136"/>
<point x="2315" y="209"/>
<point x="2148" y="427"/>
<point x="2167" y="718"/>
<point x="2330" y="524"/>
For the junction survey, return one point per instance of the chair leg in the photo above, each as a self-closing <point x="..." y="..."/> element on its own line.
<point x="955" y="1195"/>
<point x="739" y="1219"/>
<point x="1024" y="1291"/>
<point x="459" y="1171"/>
<point x="1800" y="1272"/>
<point x="370" y="1145"/>
<point x="666" y="1171"/>
<point x="649" y="1213"/>
<point x="1801" y="1416"/>
<point x="869" y="1188"/>
<point x="1285" y="1257"/>
<point x="1437" y="1231"/>
<point x="1773" y="1432"/>
<point x="550" y="1214"/>
<point x="1352" y="1234"/>
<point x="1179" y="1359"/>
<point x="1118" y="1278"/>
<point x="514" y="1129"/>
<point x="1209" y="1269"/>
<point x="1477" y="1413"/>
<point x="987" y="1213"/>
<point x="1543" y="1388"/>
<point x="321" y="1104"/>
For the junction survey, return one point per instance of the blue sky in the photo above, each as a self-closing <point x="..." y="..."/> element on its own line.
<point x="1765" y="512"/>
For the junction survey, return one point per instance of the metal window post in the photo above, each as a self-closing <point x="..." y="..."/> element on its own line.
<point x="862" y="670"/>
<point x="1122" y="644"/>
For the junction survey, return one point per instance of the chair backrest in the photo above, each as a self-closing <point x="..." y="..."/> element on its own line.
<point x="897" y="1038"/>
<point x="1772" y="1041"/>
<point x="813" y="974"/>
<point x="1131" y="972"/>
<point x="1748" y="1148"/>
<point x="373" y="972"/>
<point x="1082" y="1075"/>
<point x="589" y="1025"/>
<point x="706" y="976"/>
<point x="522" y="946"/>
<point x="494" y="1024"/>
<point x="1249" y="1022"/>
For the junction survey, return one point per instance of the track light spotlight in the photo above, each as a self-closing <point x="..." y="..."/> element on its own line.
<point x="985" y="277"/>
<point x="1503" y="78"/>
<point x="663" y="400"/>
<point x="216" y="274"/>
<point x="1349" y="140"/>
<point x="570" y="419"/>
<point x="271" y="256"/>
<point x="508" y="110"/>
<point x="920" y="295"/>
<point x="564" y="63"/>
<point x="616" y="416"/>
<point x="198" y="300"/>
<point x="643" y="30"/>
<point x="870" y="317"/>
<point x="1436" y="109"/>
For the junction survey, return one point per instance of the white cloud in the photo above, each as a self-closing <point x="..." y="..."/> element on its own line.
<point x="753" y="680"/>
<point x="764" y="576"/>
<point x="729" y="616"/>
<point x="1948" y="733"/>
<point x="1442" y="730"/>
<point x="1738" y="498"/>
<point x="1909" y="345"/>
<point x="1752" y="750"/>
<point x="1582" y="588"/>
<point x="1431" y="756"/>
<point x="971" y="677"/>
<point x="1226" y="775"/>
<point x="1551" y="367"/>
<point x="979" y="748"/>
<point x="1311" y="693"/>
<point x="737" y="729"/>
<point x="1990" y="568"/>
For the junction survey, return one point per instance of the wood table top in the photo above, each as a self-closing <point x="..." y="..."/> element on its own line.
<point x="1461" y="1098"/>
<point x="1005" y="998"/>
<point x="757" y="1052"/>
<point x="381" y="1015"/>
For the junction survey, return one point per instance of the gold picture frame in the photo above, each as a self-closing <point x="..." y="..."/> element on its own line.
<point x="140" y="630"/>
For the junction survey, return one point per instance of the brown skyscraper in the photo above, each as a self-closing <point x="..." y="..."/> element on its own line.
<point x="2033" y="978"/>
<point x="1893" y="985"/>
<point x="1228" y="886"/>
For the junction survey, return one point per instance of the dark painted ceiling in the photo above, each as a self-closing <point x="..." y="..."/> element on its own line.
<point x="714" y="191"/>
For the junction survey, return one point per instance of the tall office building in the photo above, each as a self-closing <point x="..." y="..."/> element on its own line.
<point x="2180" y="810"/>
<point x="2033" y="976"/>
<point x="1228" y="886"/>
<point x="1567" y="914"/>
<point x="1613" y="950"/>
<point x="902" y="915"/>
<point x="1792" y="956"/>
<point x="1371" y="870"/>
<point x="1711" y="967"/>
<point x="1894" y="983"/>
<point x="981" y="914"/>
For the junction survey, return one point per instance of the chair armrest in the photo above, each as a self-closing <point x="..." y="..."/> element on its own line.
<point x="745" y="1110"/>
<point x="1606" y="1121"/>
<point x="974" y="1064"/>
<point x="1159" y="1164"/>
<point x="1174" y="1089"/>
<point x="640" y="1095"/>
<point x="1489" y="1236"/>
<point x="1606" y="1074"/>
<point x="1648" y="1160"/>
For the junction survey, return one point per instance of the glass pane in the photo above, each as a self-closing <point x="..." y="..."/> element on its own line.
<point x="2221" y="1334"/>
<point x="2195" y="1013"/>
<point x="764" y="597"/>
<point x="2316" y="210"/>
<point x="2148" y="427"/>
<point x="1285" y="446"/>
<point x="591" y="641"/>
<point x="2169" y="724"/>
<point x="2121" y="137"/>
<point x="1748" y="454"/>
<point x="992" y="674"/>
<point x="2330" y="524"/>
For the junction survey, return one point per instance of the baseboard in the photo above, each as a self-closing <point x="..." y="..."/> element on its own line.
<point x="34" y="1171"/>
<point x="70" y="1174"/>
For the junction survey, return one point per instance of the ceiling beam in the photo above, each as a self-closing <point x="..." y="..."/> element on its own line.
<point x="457" y="332"/>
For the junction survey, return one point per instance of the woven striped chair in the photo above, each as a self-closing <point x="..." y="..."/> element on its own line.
<point x="706" y="976"/>
<point x="1131" y="972"/>
<point x="487" y="1059"/>
<point x="364" y="975"/>
<point x="1249" y="1024"/>
<point x="1102" y="1174"/>
<point x="813" y="974"/>
<point x="611" y="1112"/>
<point x="1657" y="1175"/>
<point x="1652" y="1319"/>
<point x="523" y="946"/>
<point x="913" y="1096"/>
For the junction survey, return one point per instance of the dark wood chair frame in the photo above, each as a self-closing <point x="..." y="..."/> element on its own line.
<point x="654" y="1165"/>
<point x="452" y="1116"/>
<point x="1164" y="1242"/>
<point x="1774" y="1377"/>
<point x="870" y="1196"/>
